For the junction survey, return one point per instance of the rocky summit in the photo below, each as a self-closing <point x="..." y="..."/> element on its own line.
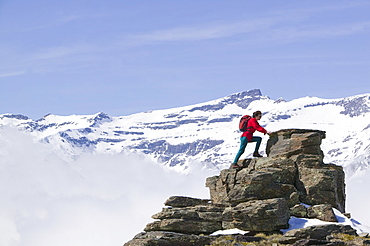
<point x="260" y="197"/>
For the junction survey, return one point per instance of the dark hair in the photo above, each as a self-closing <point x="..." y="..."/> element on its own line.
<point x="255" y="114"/>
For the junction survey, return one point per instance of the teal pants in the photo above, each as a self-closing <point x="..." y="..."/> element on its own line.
<point x="243" y="144"/>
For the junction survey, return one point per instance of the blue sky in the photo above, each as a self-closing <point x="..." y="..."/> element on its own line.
<point x="122" y="57"/>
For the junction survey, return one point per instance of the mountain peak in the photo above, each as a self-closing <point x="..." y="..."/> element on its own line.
<point x="241" y="99"/>
<point x="98" y="119"/>
<point x="248" y="93"/>
<point x="244" y="98"/>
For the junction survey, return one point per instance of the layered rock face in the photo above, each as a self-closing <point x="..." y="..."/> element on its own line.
<point x="294" y="170"/>
<point x="260" y="196"/>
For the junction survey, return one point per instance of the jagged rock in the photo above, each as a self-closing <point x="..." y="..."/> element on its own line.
<point x="322" y="212"/>
<point x="264" y="178"/>
<point x="176" y="213"/>
<point x="308" y="161"/>
<point x="291" y="142"/>
<point x="284" y="170"/>
<point x="320" y="232"/>
<point x="193" y="219"/>
<point x="324" y="185"/>
<point x="299" y="210"/>
<point x="317" y="183"/>
<point x="164" y="238"/>
<point x="210" y="212"/>
<point x="183" y="201"/>
<point x="185" y="226"/>
<point x="257" y="215"/>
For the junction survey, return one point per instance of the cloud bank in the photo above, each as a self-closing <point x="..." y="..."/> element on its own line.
<point x="358" y="196"/>
<point x="95" y="200"/>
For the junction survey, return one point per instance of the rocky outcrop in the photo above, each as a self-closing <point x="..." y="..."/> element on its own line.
<point x="260" y="196"/>
<point x="294" y="170"/>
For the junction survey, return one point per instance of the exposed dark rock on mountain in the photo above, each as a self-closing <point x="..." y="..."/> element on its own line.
<point x="355" y="107"/>
<point x="167" y="151"/>
<point x="15" y="116"/>
<point x="242" y="99"/>
<point x="260" y="196"/>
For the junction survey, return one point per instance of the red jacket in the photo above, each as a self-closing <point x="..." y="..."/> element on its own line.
<point x="254" y="126"/>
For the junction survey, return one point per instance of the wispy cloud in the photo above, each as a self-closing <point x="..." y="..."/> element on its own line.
<point x="304" y="33"/>
<point x="11" y="74"/>
<point x="66" y="52"/>
<point x="269" y="29"/>
<point x="285" y="25"/>
<point x="54" y="53"/>
<point x="326" y="7"/>
<point x="204" y="32"/>
<point x="55" y="23"/>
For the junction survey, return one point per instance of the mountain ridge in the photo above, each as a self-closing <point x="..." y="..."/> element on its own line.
<point x="207" y="132"/>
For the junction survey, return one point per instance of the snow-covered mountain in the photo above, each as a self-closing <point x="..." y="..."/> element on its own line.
<point x="208" y="132"/>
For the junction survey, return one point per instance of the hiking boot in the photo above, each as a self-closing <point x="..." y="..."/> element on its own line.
<point x="234" y="165"/>
<point x="256" y="154"/>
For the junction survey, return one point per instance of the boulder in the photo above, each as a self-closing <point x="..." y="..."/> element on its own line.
<point x="322" y="212"/>
<point x="324" y="185"/>
<point x="320" y="232"/>
<point x="257" y="215"/>
<point x="316" y="182"/>
<point x="299" y="210"/>
<point x="197" y="219"/>
<point x="185" y="226"/>
<point x="165" y="238"/>
<point x="289" y="142"/>
<point x="183" y="201"/>
<point x="209" y="212"/>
